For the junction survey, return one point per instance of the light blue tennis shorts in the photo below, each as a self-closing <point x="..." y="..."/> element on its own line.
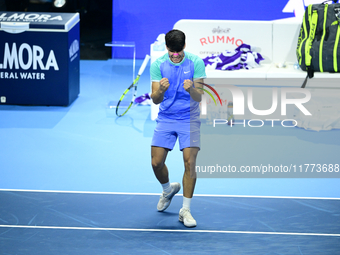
<point x="166" y="134"/>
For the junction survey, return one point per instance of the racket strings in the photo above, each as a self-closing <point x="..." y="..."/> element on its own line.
<point x="127" y="99"/>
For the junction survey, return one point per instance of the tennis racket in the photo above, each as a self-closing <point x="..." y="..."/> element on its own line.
<point x="127" y="99"/>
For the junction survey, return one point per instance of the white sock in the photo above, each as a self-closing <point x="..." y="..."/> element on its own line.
<point x="166" y="187"/>
<point x="186" y="202"/>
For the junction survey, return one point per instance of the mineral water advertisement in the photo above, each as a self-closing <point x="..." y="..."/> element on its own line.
<point x="38" y="58"/>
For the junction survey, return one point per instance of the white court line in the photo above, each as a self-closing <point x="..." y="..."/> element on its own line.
<point x="170" y="230"/>
<point x="157" y="194"/>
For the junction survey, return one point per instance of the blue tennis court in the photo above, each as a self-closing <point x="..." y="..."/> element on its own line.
<point x="99" y="223"/>
<point x="78" y="180"/>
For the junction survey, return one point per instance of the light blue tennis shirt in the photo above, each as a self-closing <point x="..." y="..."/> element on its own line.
<point x="177" y="103"/>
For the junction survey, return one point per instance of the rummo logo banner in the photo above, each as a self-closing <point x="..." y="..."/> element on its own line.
<point x="267" y="132"/>
<point x="207" y="37"/>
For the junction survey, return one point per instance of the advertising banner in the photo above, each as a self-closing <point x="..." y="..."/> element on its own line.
<point x="39" y="58"/>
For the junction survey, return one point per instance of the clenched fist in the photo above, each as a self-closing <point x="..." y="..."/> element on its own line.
<point x="164" y="85"/>
<point x="187" y="85"/>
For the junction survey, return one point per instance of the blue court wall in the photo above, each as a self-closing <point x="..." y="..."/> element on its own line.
<point x="143" y="21"/>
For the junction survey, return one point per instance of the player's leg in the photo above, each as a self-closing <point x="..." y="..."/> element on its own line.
<point x="158" y="155"/>
<point x="189" y="177"/>
<point x="189" y="140"/>
<point x="189" y="181"/>
<point x="163" y="141"/>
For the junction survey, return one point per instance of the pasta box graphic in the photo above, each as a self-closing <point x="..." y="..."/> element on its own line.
<point x="39" y="58"/>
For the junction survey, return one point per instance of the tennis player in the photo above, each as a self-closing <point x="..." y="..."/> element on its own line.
<point x="175" y="78"/>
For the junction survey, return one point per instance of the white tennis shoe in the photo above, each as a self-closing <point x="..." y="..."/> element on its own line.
<point x="165" y="199"/>
<point x="187" y="219"/>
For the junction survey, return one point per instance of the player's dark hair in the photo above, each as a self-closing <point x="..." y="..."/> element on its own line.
<point x="175" y="40"/>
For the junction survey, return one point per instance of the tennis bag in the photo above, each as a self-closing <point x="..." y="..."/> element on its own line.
<point x="318" y="48"/>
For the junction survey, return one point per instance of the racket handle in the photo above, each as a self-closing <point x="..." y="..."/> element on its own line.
<point x="145" y="62"/>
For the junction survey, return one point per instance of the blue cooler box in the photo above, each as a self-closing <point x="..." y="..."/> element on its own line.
<point x="39" y="58"/>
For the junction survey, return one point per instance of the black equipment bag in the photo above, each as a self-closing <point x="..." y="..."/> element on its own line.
<point x="318" y="48"/>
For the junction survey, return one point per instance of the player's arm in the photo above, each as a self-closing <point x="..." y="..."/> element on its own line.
<point x="159" y="83"/>
<point x="193" y="88"/>
<point x="158" y="90"/>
